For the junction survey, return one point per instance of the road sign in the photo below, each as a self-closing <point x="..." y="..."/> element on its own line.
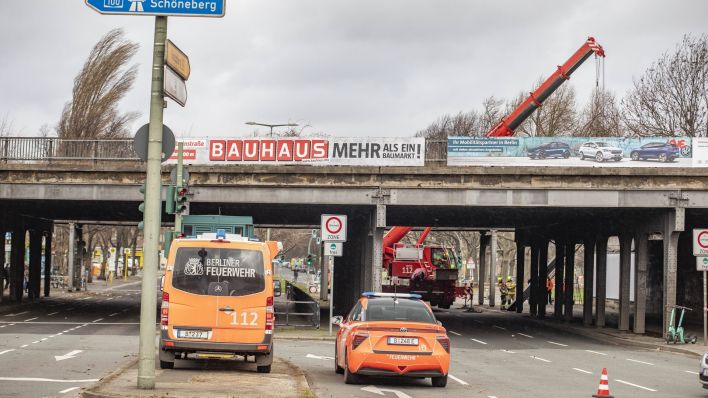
<point x="700" y="242"/>
<point x="334" y="228"/>
<point x="333" y="249"/>
<point x="177" y="60"/>
<point x="701" y="263"/>
<point x="140" y="142"/>
<point x="175" y="87"/>
<point x="177" y="8"/>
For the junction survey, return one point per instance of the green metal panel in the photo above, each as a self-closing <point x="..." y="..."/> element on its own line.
<point x="193" y="225"/>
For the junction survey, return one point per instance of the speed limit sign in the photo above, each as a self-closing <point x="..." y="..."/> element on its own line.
<point x="334" y="228"/>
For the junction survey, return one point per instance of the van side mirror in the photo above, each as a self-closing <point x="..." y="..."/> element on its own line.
<point x="277" y="291"/>
<point x="337" y="320"/>
<point x="162" y="283"/>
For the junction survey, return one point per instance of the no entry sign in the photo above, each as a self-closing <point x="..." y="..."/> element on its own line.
<point x="334" y="228"/>
<point x="700" y="242"/>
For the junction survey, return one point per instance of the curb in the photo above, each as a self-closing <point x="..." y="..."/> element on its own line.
<point x="90" y="392"/>
<point x="304" y="338"/>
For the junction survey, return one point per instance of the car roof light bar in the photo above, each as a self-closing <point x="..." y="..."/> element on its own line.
<point x="395" y="295"/>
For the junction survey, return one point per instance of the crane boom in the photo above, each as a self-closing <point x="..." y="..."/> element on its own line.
<point x="506" y="126"/>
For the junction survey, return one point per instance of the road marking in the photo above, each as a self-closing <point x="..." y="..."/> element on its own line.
<point x="97" y="320"/>
<point x="68" y="389"/>
<point x="69" y="355"/>
<point x="113" y="314"/>
<point x="23" y="346"/>
<point x="455" y="333"/>
<point x="464" y="383"/>
<point x="318" y="357"/>
<point x="19" y="313"/>
<point x="44" y="339"/>
<point x="383" y="391"/>
<point x="35" y="342"/>
<point x="53" y="313"/>
<point x="31" y="319"/>
<point x="479" y="341"/>
<point x="508" y="351"/>
<point x="6" y="351"/>
<point x="583" y="371"/>
<point x="498" y="327"/>
<point x="645" y="363"/>
<point x="595" y="352"/>
<point x="553" y="342"/>
<point x="85" y="298"/>
<point x="109" y="299"/>
<point x="525" y="335"/>
<point x="691" y="372"/>
<point x="539" y="358"/>
<point x="12" y="324"/>
<point x="2" y="326"/>
<point x="635" y="385"/>
<point x="47" y="380"/>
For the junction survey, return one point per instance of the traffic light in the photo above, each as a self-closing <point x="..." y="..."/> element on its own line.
<point x="170" y="200"/>
<point x="141" y="207"/>
<point x="309" y="260"/>
<point x="181" y="200"/>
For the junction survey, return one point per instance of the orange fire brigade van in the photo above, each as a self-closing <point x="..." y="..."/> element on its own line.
<point x="217" y="300"/>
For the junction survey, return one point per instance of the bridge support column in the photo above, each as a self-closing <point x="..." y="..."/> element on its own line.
<point x="520" y="259"/>
<point x="601" y="289"/>
<point x="641" y="258"/>
<point x="492" y="268"/>
<point x="378" y="225"/>
<point x="533" y="291"/>
<point x="673" y="225"/>
<point x="35" y="263"/>
<point x="542" y="276"/>
<point x="560" y="271"/>
<point x="71" y="261"/>
<point x="483" y="243"/>
<point x="625" y="267"/>
<point x="17" y="261"/>
<point x="48" y="259"/>
<point x="569" y="276"/>
<point x="589" y="278"/>
<point x="3" y="279"/>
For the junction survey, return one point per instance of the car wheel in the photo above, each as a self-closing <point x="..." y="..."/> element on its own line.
<point x="542" y="155"/>
<point x="349" y="377"/>
<point x="566" y="155"/>
<point x="635" y="156"/>
<point x="337" y="369"/>
<point x="582" y="157"/>
<point x="662" y="157"/>
<point x="439" y="381"/>
<point x="598" y="157"/>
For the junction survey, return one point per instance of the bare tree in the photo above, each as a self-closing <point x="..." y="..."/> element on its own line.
<point x="103" y="81"/>
<point x="7" y="127"/>
<point x="557" y="115"/>
<point x="465" y="124"/>
<point x="671" y="98"/>
<point x="601" y="117"/>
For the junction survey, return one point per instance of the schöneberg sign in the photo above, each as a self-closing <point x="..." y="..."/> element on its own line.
<point x="334" y="228"/>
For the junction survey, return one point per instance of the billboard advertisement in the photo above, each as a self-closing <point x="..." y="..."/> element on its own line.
<point x="570" y="151"/>
<point x="316" y="151"/>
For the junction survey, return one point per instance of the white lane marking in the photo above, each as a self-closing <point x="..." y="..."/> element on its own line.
<point x="31" y="319"/>
<point x="318" y="357"/>
<point x="539" y="358"/>
<point x="47" y="380"/>
<point x="53" y="313"/>
<point x="583" y="371"/>
<point x="97" y="320"/>
<point x="491" y="396"/>
<point x="691" y="372"/>
<point x="113" y="314"/>
<point x="23" y="346"/>
<point x="553" y="342"/>
<point x="595" y="352"/>
<point x="479" y="341"/>
<point x="69" y="355"/>
<point x="634" y="360"/>
<point x="12" y="324"/>
<point x="455" y="333"/>
<point x="6" y="351"/>
<point x="464" y="383"/>
<point x="383" y="391"/>
<point x="508" y="351"/>
<point x="19" y="313"/>
<point x="109" y="299"/>
<point x="35" y="342"/>
<point x="85" y="298"/>
<point x="44" y="339"/>
<point x="68" y="389"/>
<point x="2" y="326"/>
<point x="498" y="327"/>
<point x="525" y="335"/>
<point x="635" y="385"/>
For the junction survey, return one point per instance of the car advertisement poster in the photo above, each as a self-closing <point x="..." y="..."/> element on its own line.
<point x="315" y="151"/>
<point x="571" y="151"/>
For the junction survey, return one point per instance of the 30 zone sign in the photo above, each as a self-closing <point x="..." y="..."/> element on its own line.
<point x="334" y="228"/>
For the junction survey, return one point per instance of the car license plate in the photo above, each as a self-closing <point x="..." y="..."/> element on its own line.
<point x="193" y="334"/>
<point x="403" y="341"/>
<point x="705" y="372"/>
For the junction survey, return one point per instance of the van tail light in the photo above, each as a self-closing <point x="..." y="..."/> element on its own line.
<point x="270" y="316"/>
<point x="357" y="339"/>
<point x="165" y="310"/>
<point x="444" y="342"/>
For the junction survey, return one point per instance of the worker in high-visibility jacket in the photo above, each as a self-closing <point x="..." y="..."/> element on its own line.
<point x="511" y="287"/>
<point x="504" y="291"/>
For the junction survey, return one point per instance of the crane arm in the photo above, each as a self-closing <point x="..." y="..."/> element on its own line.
<point x="507" y="125"/>
<point x="394" y="236"/>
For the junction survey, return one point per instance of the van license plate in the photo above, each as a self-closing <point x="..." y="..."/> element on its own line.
<point x="193" y="334"/>
<point x="403" y="340"/>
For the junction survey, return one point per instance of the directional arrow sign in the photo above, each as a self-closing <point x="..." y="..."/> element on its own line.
<point x="318" y="357"/>
<point x="69" y="355"/>
<point x="383" y="391"/>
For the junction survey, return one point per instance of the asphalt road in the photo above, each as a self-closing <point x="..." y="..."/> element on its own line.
<point x="54" y="347"/>
<point x="494" y="355"/>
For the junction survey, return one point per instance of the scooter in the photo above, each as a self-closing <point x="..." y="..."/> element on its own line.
<point x="675" y="332"/>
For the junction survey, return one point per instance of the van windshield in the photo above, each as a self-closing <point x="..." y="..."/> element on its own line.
<point x="218" y="272"/>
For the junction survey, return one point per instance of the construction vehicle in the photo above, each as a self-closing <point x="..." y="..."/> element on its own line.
<point x="428" y="270"/>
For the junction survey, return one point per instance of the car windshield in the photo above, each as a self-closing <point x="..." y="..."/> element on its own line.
<point x="602" y="144"/>
<point x="398" y="309"/>
<point x="218" y="272"/>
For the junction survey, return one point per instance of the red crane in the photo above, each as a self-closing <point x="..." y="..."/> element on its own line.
<point x="506" y="126"/>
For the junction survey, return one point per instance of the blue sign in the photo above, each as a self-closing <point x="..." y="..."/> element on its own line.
<point x="180" y="8"/>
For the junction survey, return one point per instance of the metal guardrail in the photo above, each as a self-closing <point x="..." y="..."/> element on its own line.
<point x="47" y="149"/>
<point x="297" y="312"/>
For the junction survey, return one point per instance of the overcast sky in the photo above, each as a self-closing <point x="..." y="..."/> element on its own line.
<point x="347" y="68"/>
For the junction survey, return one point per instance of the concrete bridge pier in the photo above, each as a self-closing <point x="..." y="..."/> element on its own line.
<point x="625" y="239"/>
<point x="569" y="278"/>
<point x="35" y="262"/>
<point x="542" y="298"/>
<point x="601" y="280"/>
<point x="559" y="280"/>
<point x="641" y="258"/>
<point x="520" y="259"/>
<point x="17" y="261"/>
<point x="492" y="267"/>
<point x="588" y="268"/>
<point x="533" y="277"/>
<point x="48" y="258"/>
<point x="483" y="244"/>
<point x="673" y="225"/>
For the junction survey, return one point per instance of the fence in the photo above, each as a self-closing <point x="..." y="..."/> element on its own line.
<point x="298" y="309"/>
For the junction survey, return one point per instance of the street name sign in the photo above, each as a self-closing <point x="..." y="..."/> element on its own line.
<point x="333" y="249"/>
<point x="177" y="8"/>
<point x="177" y="60"/>
<point x="700" y="242"/>
<point x="334" y="228"/>
<point x="175" y="87"/>
<point x="701" y="263"/>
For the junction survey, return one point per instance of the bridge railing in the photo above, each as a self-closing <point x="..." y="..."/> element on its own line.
<point x="50" y="148"/>
<point x="435" y="152"/>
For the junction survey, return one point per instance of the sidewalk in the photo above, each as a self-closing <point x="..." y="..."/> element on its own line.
<point x="203" y="378"/>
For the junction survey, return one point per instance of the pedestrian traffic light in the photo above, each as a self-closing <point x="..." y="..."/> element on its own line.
<point x="181" y="200"/>
<point x="170" y="199"/>
<point x="141" y="207"/>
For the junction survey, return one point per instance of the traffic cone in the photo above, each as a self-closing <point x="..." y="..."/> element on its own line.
<point x="603" y="390"/>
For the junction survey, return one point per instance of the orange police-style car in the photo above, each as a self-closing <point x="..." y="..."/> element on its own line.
<point x="390" y="334"/>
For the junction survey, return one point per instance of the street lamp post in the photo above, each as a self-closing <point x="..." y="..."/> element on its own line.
<point x="272" y="125"/>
